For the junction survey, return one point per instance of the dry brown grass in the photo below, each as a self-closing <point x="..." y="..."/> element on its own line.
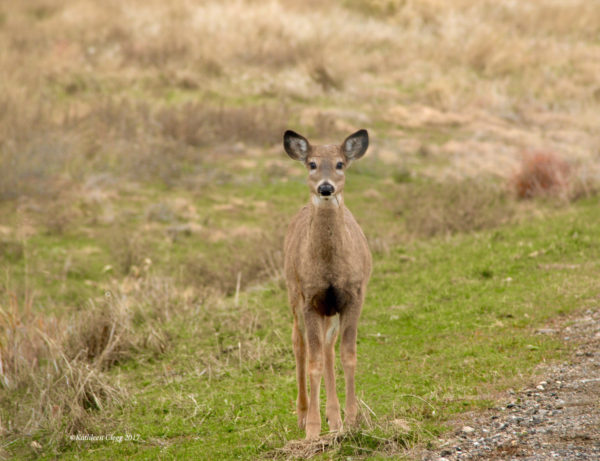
<point x="393" y="436"/>
<point x="453" y="207"/>
<point x="255" y="258"/>
<point x="53" y="370"/>
<point x="139" y="88"/>
<point x="137" y="142"/>
<point x="48" y="385"/>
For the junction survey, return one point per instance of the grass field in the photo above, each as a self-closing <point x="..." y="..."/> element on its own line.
<point x="145" y="193"/>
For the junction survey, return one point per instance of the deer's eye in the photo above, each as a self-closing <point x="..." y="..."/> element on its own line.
<point x="339" y="165"/>
<point x="312" y="165"/>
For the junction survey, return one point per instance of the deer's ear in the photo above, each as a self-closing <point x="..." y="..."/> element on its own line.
<point x="295" y="145"/>
<point x="355" y="145"/>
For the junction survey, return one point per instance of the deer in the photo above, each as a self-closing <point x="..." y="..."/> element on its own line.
<point x="327" y="265"/>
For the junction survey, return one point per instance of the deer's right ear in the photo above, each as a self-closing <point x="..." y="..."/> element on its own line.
<point x="295" y="145"/>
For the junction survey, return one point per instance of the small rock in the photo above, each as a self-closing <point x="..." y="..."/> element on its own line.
<point x="467" y="430"/>
<point x="540" y="387"/>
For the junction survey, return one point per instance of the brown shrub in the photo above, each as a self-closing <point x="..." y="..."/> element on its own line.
<point x="58" y="385"/>
<point x="131" y="140"/>
<point x="542" y="174"/>
<point x="198" y="124"/>
<point x="255" y="257"/>
<point x="447" y="208"/>
<point x="53" y="370"/>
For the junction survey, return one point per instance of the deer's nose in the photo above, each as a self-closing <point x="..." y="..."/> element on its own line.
<point x="325" y="189"/>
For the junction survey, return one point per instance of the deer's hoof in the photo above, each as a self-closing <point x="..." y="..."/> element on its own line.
<point x="313" y="430"/>
<point x="350" y="420"/>
<point x="335" y="424"/>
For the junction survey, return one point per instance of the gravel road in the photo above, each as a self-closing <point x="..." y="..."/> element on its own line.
<point x="556" y="417"/>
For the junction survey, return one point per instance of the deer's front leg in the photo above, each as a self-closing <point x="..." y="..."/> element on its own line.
<point x="300" y="354"/>
<point x="348" y="327"/>
<point x="332" y="410"/>
<point x="314" y="338"/>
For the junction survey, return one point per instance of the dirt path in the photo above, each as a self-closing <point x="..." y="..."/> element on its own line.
<point x="557" y="417"/>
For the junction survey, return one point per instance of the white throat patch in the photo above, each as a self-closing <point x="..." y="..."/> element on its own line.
<point x="330" y="201"/>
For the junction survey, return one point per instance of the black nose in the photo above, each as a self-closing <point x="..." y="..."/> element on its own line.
<point x="325" y="189"/>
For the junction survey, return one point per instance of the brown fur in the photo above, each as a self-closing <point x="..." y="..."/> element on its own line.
<point x="327" y="267"/>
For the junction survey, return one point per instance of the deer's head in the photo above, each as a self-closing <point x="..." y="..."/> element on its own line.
<point x="326" y="164"/>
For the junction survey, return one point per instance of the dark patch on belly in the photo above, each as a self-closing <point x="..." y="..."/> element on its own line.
<point x="330" y="301"/>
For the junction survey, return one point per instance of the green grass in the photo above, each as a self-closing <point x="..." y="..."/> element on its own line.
<point x="447" y="323"/>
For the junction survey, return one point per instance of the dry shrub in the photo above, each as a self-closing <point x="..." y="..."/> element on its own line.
<point x="197" y="124"/>
<point x="53" y="370"/>
<point x="542" y="174"/>
<point x="255" y="258"/>
<point x="103" y="335"/>
<point x="20" y="346"/>
<point x="34" y="166"/>
<point x="447" y="208"/>
<point x="138" y="141"/>
<point x="128" y="250"/>
<point x="58" y="389"/>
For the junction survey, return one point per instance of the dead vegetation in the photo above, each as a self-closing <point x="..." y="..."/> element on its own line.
<point x="542" y="173"/>
<point x="143" y="88"/>
<point x="55" y="370"/>
<point x="457" y="206"/>
<point x="138" y="142"/>
<point x="546" y="175"/>
<point x="384" y="437"/>
<point x="52" y="380"/>
<point x="255" y="258"/>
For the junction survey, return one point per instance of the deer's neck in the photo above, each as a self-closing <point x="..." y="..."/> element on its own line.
<point x="326" y="238"/>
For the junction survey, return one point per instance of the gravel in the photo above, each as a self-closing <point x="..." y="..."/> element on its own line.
<point x="557" y="417"/>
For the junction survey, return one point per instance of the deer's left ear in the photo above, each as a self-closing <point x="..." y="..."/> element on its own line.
<point x="355" y="145"/>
